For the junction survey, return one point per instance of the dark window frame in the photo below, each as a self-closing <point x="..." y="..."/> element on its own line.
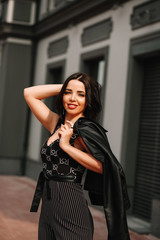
<point x="95" y="54"/>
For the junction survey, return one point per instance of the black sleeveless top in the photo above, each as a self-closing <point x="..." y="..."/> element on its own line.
<point x="56" y="162"/>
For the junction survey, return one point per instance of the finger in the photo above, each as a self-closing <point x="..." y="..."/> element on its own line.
<point x="63" y="127"/>
<point x="70" y="123"/>
<point x="66" y="127"/>
<point x="59" y="134"/>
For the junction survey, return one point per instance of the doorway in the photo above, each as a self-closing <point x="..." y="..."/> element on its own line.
<point x="147" y="175"/>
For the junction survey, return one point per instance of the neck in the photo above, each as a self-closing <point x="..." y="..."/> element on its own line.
<point x="73" y="119"/>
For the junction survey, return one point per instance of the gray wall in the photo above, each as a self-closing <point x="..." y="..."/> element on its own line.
<point x="15" y="76"/>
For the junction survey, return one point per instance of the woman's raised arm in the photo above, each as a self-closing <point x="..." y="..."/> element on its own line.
<point x="34" y="95"/>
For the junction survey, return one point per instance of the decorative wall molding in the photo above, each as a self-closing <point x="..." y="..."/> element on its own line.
<point x="145" y="14"/>
<point x="61" y="2"/>
<point x="97" y="32"/>
<point x="22" y="11"/>
<point x="70" y="13"/>
<point x="58" y="47"/>
<point x="147" y="44"/>
<point x="19" y="41"/>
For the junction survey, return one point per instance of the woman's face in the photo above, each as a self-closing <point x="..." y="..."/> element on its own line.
<point x="74" y="98"/>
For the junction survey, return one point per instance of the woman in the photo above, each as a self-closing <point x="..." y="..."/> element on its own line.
<point x="72" y="148"/>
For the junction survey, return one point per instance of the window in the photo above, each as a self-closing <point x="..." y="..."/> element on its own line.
<point x="45" y="7"/>
<point x="95" y="63"/>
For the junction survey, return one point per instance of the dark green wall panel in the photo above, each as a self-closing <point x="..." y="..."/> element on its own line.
<point x="16" y="75"/>
<point x="22" y="11"/>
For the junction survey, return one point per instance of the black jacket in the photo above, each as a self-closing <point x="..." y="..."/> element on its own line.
<point x="107" y="189"/>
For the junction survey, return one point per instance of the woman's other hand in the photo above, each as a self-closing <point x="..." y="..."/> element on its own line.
<point x="65" y="133"/>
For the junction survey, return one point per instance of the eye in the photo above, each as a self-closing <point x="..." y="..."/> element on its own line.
<point x="81" y="95"/>
<point x="67" y="92"/>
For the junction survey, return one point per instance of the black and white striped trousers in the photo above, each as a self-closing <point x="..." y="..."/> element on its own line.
<point x="66" y="215"/>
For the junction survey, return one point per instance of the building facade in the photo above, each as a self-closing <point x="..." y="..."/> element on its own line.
<point x="118" y="43"/>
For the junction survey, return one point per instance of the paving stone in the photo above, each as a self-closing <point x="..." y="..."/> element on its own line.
<point x="17" y="223"/>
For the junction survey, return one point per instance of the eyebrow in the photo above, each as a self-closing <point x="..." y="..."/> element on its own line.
<point x="79" y="91"/>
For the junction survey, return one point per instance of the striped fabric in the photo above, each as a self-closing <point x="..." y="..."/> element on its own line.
<point x="66" y="215"/>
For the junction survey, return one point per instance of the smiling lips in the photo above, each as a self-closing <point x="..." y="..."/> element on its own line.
<point x="72" y="106"/>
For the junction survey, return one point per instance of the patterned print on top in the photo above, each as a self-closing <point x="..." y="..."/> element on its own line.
<point x="57" y="162"/>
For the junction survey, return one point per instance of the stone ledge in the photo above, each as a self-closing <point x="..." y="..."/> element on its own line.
<point x="138" y="225"/>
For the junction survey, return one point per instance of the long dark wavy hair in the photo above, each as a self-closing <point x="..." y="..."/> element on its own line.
<point x="93" y="103"/>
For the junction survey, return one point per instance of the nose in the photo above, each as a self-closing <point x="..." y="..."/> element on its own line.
<point x="72" y="97"/>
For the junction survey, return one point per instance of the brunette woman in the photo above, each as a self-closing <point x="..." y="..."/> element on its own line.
<point x="76" y="143"/>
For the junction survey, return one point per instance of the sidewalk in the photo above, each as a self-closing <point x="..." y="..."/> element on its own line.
<point x="17" y="223"/>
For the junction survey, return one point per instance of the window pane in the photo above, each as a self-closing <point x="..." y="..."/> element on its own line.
<point x="100" y="74"/>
